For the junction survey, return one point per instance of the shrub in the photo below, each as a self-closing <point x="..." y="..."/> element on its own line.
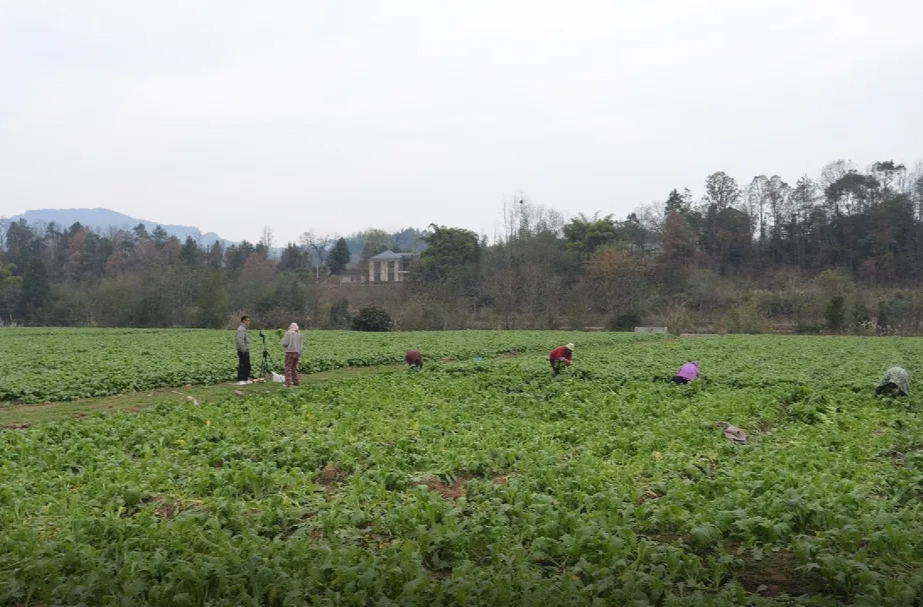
<point x="776" y="305"/>
<point x="745" y="319"/>
<point x="860" y="312"/>
<point x="834" y="282"/>
<point x="835" y="313"/>
<point x="903" y="313"/>
<point x="808" y="328"/>
<point x="339" y="314"/>
<point x="372" y="319"/>
<point x="626" y="321"/>
<point x="675" y="317"/>
<point x="882" y="320"/>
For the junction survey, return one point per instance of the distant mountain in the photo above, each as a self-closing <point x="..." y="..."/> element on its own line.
<point x="103" y="219"/>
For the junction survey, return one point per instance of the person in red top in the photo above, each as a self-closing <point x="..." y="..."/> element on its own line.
<point x="560" y="357"/>
<point x="414" y="359"/>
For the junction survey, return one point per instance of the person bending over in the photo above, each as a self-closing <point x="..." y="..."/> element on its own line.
<point x="414" y="359"/>
<point x="561" y="357"/>
<point x="895" y="382"/>
<point x="687" y="373"/>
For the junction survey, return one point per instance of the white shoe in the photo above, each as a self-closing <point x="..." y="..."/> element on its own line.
<point x="244" y="383"/>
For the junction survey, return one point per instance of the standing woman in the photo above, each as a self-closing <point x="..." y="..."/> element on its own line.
<point x="293" y="345"/>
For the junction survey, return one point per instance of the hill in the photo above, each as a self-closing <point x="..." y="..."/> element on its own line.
<point x="103" y="219"/>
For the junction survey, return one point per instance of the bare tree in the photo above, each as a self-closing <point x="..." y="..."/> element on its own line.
<point x="522" y="219"/>
<point x="754" y="205"/>
<point x="834" y="171"/>
<point x="915" y="185"/>
<point x="512" y="216"/>
<point x="501" y="282"/>
<point x="779" y="209"/>
<point x="621" y="281"/>
<point x="721" y="190"/>
<point x="652" y="219"/>
<point x="4" y="226"/>
<point x="320" y="245"/>
<point x="267" y="238"/>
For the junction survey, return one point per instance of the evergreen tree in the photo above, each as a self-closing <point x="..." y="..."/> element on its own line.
<point x="36" y="291"/>
<point x="339" y="257"/>
<point x="190" y="253"/>
<point x="141" y="232"/>
<point x="159" y="236"/>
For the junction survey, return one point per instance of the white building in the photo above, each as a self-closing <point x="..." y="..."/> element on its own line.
<point x="390" y="267"/>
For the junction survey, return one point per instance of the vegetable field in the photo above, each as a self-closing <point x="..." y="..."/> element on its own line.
<point x="64" y="364"/>
<point x="490" y="483"/>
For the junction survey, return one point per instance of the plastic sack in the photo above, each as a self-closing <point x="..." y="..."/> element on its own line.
<point x="279" y="379"/>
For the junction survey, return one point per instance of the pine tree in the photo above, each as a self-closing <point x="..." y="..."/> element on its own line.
<point x="339" y="257"/>
<point x="36" y="290"/>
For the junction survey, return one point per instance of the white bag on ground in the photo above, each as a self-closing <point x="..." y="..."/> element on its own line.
<point x="279" y="379"/>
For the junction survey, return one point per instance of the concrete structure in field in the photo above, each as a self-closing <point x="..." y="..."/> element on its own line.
<point x="650" y="329"/>
<point x="390" y="267"/>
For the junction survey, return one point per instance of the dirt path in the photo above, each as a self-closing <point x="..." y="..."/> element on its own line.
<point x="20" y="416"/>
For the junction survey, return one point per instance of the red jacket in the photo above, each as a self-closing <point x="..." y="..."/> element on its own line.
<point x="413" y="357"/>
<point x="561" y="353"/>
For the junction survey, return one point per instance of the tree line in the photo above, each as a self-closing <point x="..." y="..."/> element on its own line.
<point x="842" y="251"/>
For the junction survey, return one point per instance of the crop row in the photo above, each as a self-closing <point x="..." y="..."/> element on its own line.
<point x="65" y="364"/>
<point x="490" y="483"/>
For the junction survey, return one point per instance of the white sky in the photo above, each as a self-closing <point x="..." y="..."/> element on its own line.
<point x="340" y="115"/>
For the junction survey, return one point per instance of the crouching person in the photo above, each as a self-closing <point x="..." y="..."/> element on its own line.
<point x="561" y="357"/>
<point x="687" y="373"/>
<point x="414" y="359"/>
<point x="895" y="382"/>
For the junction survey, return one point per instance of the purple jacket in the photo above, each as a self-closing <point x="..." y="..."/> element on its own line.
<point x="689" y="371"/>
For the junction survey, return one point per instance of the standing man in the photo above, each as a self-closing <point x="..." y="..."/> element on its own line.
<point x="243" y="352"/>
<point x="560" y="357"/>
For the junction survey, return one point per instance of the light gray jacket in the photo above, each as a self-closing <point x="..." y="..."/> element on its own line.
<point x="243" y="339"/>
<point x="292" y="342"/>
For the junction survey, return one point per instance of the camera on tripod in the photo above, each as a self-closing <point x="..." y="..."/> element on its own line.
<point x="266" y="365"/>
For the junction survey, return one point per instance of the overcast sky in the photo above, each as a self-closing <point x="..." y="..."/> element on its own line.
<point x="340" y="115"/>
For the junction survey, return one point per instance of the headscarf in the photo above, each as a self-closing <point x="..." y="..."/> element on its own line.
<point x="898" y="377"/>
<point x="293" y="327"/>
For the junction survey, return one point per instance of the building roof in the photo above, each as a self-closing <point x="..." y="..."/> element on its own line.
<point x="390" y="256"/>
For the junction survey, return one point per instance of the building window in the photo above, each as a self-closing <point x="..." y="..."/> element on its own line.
<point x="390" y="276"/>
